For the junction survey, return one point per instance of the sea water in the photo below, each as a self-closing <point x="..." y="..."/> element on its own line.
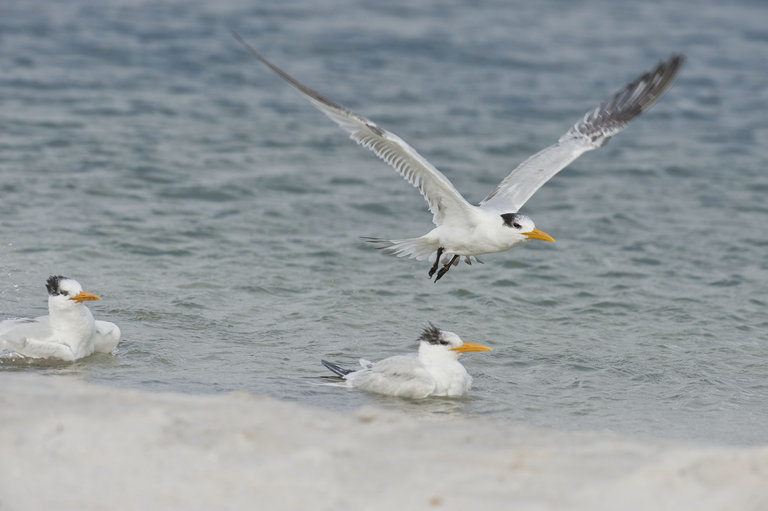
<point x="144" y="153"/>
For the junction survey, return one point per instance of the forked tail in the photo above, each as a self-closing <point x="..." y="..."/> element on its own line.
<point x="338" y="371"/>
<point x="414" y="248"/>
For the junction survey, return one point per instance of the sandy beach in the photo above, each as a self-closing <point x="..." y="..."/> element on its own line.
<point x="72" y="445"/>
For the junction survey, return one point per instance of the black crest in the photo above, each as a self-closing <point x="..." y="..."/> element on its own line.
<point x="510" y="220"/>
<point x="432" y="335"/>
<point x="52" y="284"/>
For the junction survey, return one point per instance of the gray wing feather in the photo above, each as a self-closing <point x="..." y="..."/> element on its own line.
<point x="440" y="194"/>
<point x="13" y="330"/>
<point x="400" y="375"/>
<point x="106" y="337"/>
<point x="591" y="132"/>
<point x="32" y="338"/>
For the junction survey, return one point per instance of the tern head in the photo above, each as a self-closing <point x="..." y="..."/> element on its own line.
<point x="64" y="292"/>
<point x="520" y="227"/>
<point x="442" y="343"/>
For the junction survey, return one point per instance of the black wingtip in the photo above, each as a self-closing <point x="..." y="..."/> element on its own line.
<point x="337" y="370"/>
<point x="612" y="116"/>
<point x="677" y="59"/>
<point x="385" y="244"/>
<point x="659" y="80"/>
<point x="247" y="46"/>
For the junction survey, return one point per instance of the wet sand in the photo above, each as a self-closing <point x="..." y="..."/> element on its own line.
<point x="72" y="445"/>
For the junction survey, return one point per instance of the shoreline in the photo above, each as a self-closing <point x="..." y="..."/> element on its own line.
<point x="74" y="445"/>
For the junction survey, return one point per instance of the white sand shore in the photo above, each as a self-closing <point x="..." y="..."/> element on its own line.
<point x="68" y="445"/>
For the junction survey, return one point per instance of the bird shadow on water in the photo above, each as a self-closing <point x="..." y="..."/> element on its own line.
<point x="430" y="408"/>
<point x="12" y="362"/>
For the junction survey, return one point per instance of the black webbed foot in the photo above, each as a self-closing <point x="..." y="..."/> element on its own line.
<point x="446" y="267"/>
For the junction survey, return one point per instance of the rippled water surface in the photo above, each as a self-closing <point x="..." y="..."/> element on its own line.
<point x="146" y="154"/>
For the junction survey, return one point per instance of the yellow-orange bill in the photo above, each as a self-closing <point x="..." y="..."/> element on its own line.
<point x="536" y="234"/>
<point x="468" y="347"/>
<point x="84" y="297"/>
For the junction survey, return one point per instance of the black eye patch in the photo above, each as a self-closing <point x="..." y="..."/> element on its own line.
<point x="52" y="285"/>
<point x="510" y="220"/>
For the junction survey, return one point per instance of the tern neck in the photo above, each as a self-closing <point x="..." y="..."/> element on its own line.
<point x="73" y="325"/>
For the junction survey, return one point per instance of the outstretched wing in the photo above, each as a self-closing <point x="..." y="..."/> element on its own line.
<point x="591" y="132"/>
<point x="439" y="192"/>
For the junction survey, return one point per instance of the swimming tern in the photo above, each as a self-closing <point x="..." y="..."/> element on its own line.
<point x="68" y="332"/>
<point x="435" y="371"/>
<point x="466" y="230"/>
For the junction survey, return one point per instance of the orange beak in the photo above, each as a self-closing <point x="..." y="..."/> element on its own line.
<point x="469" y="347"/>
<point x="85" y="297"/>
<point x="538" y="235"/>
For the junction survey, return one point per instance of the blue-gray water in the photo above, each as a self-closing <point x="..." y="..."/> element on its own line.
<point x="146" y="154"/>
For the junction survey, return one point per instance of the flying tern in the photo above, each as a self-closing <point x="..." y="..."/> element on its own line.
<point x="495" y="225"/>
<point x="435" y="371"/>
<point x="68" y="332"/>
